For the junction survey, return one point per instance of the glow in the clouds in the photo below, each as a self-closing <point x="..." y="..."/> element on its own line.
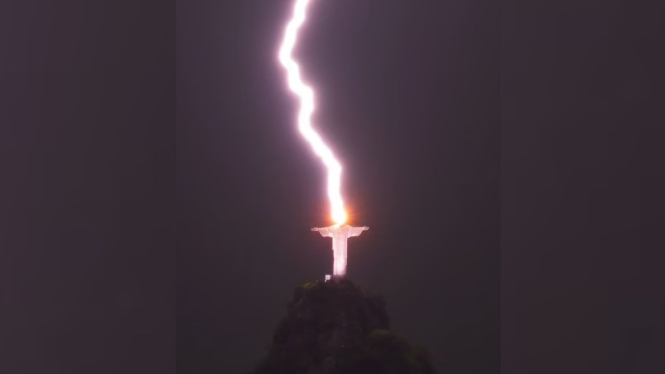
<point x="306" y="95"/>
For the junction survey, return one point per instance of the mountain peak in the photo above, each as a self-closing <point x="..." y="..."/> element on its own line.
<point x="339" y="327"/>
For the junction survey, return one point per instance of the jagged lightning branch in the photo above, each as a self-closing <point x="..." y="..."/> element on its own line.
<point x="306" y="95"/>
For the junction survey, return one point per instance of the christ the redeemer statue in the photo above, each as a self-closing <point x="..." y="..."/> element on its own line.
<point x="339" y="234"/>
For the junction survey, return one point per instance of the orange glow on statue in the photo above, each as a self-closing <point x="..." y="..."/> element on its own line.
<point x="339" y="231"/>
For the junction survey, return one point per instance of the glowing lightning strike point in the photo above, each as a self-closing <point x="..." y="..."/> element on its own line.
<point x="306" y="96"/>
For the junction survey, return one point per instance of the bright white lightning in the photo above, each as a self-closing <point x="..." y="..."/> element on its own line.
<point x="306" y="95"/>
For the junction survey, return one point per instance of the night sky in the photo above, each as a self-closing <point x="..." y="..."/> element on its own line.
<point x="157" y="197"/>
<point x="87" y="229"/>
<point x="408" y="97"/>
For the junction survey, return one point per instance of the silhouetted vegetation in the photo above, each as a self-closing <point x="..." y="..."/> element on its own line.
<point x="339" y="327"/>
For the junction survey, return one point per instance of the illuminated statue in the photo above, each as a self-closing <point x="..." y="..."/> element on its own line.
<point x="339" y="234"/>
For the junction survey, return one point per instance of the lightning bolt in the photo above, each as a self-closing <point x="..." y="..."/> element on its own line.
<point x="306" y="95"/>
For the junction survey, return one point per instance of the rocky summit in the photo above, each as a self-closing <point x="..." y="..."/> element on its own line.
<point x="337" y="327"/>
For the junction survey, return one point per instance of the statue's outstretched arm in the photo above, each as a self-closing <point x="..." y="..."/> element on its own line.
<point x="324" y="231"/>
<point x="356" y="231"/>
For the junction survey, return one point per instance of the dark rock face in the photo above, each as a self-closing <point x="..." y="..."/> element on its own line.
<point x="339" y="327"/>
